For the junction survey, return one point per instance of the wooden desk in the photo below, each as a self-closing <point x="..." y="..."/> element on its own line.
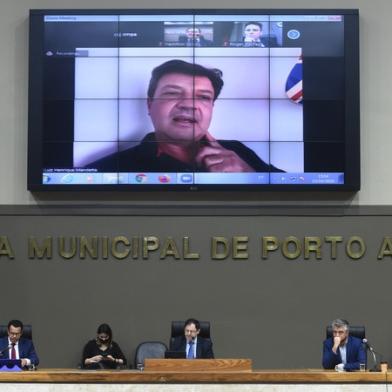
<point x="300" y="376"/>
<point x="199" y="365"/>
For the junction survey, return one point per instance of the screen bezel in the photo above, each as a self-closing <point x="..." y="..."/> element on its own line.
<point x="351" y="99"/>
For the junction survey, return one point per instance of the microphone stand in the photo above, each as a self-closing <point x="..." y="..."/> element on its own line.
<point x="375" y="367"/>
<point x="4" y="349"/>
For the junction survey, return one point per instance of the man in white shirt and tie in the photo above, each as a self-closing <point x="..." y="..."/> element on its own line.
<point x="14" y="346"/>
<point x="193" y="345"/>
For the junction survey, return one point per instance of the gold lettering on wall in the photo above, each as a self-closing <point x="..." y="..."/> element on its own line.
<point x="105" y="247"/>
<point x="385" y="248"/>
<point x="269" y="244"/>
<point x="5" y="247"/>
<point x="355" y="247"/>
<point x="312" y="245"/>
<point x="222" y="247"/>
<point x="169" y="249"/>
<point x="291" y="248"/>
<point x="71" y="249"/>
<point x="88" y="246"/>
<point x="187" y="252"/>
<point x="135" y="247"/>
<point x="333" y="240"/>
<point x="219" y="248"/>
<point x="150" y="244"/>
<point x="120" y="247"/>
<point x="37" y="251"/>
<point x="240" y="247"/>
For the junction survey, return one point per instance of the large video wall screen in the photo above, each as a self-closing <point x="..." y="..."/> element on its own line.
<point x="193" y="100"/>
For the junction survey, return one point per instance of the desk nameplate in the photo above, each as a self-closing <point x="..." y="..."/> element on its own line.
<point x="197" y="365"/>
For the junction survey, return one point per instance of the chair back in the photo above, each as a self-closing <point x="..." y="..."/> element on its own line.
<point x="149" y="350"/>
<point x="177" y="329"/>
<point x="356" y="331"/>
<point x="27" y="331"/>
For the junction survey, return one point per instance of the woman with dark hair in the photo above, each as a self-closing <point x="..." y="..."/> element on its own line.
<point x="103" y="352"/>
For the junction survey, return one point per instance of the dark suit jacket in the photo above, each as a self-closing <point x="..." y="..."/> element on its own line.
<point x="26" y="350"/>
<point x="203" y="347"/>
<point x="183" y="39"/>
<point x="355" y="354"/>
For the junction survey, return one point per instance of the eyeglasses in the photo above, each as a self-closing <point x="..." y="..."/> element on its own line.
<point x="14" y="333"/>
<point x="340" y="332"/>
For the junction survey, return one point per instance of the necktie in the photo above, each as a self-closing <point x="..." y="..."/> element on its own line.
<point x="13" y="351"/>
<point x="190" y="351"/>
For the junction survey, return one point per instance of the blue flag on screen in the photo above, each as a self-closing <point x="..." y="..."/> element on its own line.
<point x="294" y="83"/>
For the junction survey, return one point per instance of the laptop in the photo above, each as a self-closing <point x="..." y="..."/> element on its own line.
<point x="7" y="365"/>
<point x="175" y="354"/>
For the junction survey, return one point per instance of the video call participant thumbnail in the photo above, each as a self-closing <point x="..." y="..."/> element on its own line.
<point x="252" y="34"/>
<point x="180" y="103"/>
<point x="194" y="37"/>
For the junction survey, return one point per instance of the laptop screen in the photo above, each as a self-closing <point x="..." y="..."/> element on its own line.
<point x="175" y="354"/>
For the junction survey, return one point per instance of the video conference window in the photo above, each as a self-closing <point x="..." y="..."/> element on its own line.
<point x="200" y="99"/>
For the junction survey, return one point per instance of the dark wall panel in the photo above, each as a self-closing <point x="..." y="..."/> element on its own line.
<point x="272" y="310"/>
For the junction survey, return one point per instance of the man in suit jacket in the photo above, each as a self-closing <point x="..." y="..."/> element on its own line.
<point x="194" y="37"/>
<point x="15" y="347"/>
<point x="343" y="352"/>
<point x="193" y="345"/>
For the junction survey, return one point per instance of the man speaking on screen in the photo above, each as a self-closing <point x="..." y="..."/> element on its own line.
<point x="180" y="103"/>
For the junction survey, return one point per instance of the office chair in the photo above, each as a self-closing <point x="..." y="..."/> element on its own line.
<point x="149" y="350"/>
<point x="356" y="331"/>
<point x="177" y="329"/>
<point x="27" y="332"/>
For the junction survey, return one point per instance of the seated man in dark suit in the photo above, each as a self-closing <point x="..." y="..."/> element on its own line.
<point x="16" y="347"/>
<point x="194" y="37"/>
<point x="343" y="352"/>
<point x="193" y="345"/>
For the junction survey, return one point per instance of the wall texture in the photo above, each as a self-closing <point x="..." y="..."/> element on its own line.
<point x="273" y="309"/>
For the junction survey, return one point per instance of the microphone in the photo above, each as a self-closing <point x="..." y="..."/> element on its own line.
<point x="367" y="345"/>
<point x="5" y="349"/>
<point x="371" y="349"/>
